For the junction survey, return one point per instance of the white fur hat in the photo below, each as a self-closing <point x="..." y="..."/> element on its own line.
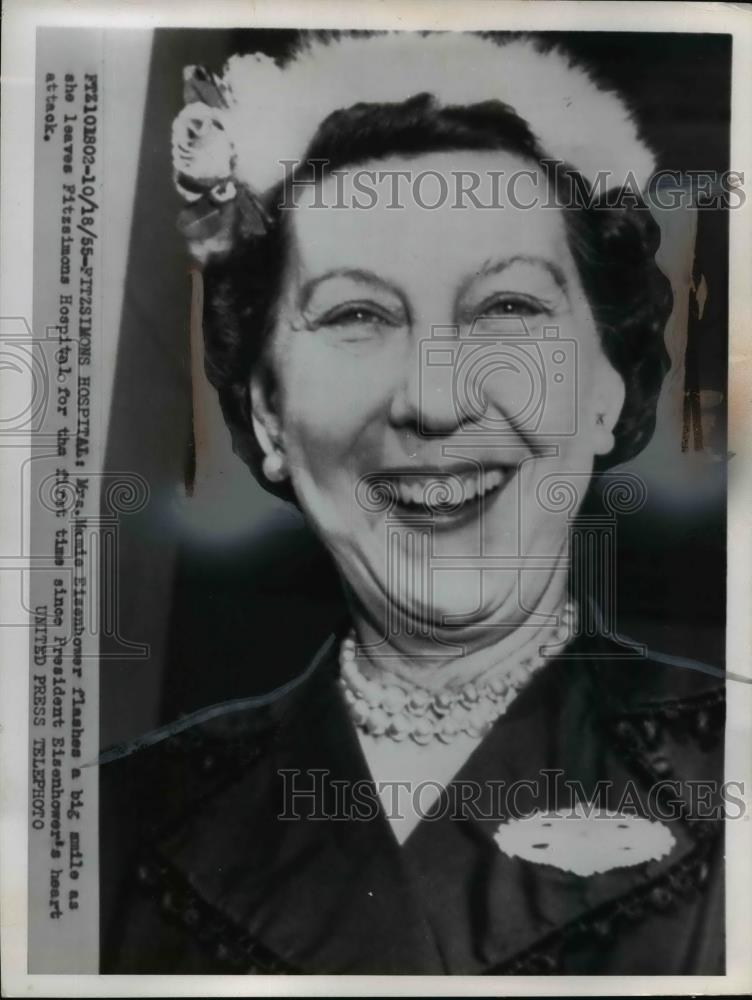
<point x="238" y="127"/>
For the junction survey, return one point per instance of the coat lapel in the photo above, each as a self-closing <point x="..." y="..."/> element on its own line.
<point x="325" y="892"/>
<point x="487" y="909"/>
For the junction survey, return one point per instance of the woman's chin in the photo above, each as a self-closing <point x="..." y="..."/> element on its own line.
<point x="453" y="600"/>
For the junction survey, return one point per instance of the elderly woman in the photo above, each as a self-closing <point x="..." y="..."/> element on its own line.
<point x="431" y="306"/>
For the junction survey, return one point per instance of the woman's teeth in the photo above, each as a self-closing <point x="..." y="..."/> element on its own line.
<point x="450" y="490"/>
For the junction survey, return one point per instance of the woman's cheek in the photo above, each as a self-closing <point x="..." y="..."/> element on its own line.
<point x="325" y="451"/>
<point x="334" y="406"/>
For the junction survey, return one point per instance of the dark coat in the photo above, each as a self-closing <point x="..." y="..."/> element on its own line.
<point x="214" y="881"/>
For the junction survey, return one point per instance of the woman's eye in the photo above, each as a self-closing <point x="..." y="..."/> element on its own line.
<point x="347" y="316"/>
<point x="512" y="305"/>
<point x="361" y="318"/>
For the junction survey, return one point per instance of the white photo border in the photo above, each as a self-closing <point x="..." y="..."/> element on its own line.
<point x="21" y="20"/>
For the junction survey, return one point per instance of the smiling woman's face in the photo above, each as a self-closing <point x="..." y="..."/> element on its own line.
<point x="400" y="353"/>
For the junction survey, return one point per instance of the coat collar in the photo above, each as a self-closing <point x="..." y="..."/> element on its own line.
<point x="312" y="889"/>
<point x="340" y="895"/>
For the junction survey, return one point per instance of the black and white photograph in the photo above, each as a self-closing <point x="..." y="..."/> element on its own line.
<point x="380" y="497"/>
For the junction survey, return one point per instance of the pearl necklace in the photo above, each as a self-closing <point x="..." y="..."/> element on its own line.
<point x="385" y="709"/>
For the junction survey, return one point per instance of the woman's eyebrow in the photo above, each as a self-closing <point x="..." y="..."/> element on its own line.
<point x="498" y="265"/>
<point x="358" y="275"/>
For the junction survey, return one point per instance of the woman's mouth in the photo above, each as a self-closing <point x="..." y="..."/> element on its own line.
<point x="447" y="498"/>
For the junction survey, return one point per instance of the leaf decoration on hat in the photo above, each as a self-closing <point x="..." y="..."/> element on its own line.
<point x="204" y="87"/>
<point x="252" y="217"/>
<point x="207" y="228"/>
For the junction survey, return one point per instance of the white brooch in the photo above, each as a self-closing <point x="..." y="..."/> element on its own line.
<point x="585" y="841"/>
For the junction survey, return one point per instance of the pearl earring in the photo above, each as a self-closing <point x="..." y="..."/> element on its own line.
<point x="273" y="467"/>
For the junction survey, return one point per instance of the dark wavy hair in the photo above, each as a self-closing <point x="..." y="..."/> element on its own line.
<point x="613" y="245"/>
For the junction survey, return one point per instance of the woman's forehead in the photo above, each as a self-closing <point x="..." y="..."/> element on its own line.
<point x="450" y="213"/>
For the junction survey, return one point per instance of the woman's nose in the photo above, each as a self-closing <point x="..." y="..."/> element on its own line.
<point x="424" y="396"/>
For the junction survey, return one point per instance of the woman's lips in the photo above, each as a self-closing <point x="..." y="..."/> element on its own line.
<point x="447" y="490"/>
<point x="448" y="498"/>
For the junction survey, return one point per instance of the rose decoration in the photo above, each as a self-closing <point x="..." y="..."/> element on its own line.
<point x="203" y="158"/>
<point x="202" y="153"/>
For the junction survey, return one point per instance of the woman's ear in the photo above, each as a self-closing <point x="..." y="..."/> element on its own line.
<point x="607" y="406"/>
<point x="267" y="428"/>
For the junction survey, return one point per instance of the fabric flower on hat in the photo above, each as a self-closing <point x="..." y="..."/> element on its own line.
<point x="202" y="152"/>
